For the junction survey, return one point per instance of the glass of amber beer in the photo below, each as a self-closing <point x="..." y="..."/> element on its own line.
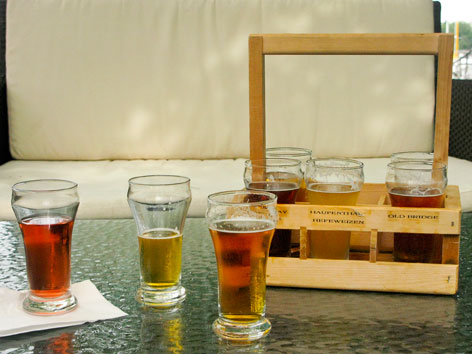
<point x="283" y="178"/>
<point x="332" y="181"/>
<point x="159" y="204"/>
<point x="418" y="184"/>
<point x="45" y="210"/>
<point x="241" y="225"/>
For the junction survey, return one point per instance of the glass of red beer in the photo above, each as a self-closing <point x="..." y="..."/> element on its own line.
<point x="301" y="154"/>
<point x="418" y="184"/>
<point x="45" y="210"/>
<point x="241" y="225"/>
<point x="282" y="177"/>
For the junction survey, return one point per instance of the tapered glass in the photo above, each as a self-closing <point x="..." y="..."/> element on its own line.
<point x="241" y="225"/>
<point x="159" y="204"/>
<point x="45" y="210"/>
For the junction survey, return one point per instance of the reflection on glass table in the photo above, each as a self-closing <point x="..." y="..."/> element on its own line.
<point x="303" y="320"/>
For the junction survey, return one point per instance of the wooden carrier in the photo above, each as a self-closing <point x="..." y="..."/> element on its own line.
<point x="373" y="220"/>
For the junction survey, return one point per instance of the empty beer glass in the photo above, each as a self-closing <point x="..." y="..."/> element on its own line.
<point x="418" y="184"/>
<point x="159" y="204"/>
<point x="283" y="178"/>
<point x="332" y="182"/>
<point x="241" y="225"/>
<point x="45" y="210"/>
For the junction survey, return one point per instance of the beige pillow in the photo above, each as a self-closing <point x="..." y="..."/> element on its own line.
<point x="127" y="79"/>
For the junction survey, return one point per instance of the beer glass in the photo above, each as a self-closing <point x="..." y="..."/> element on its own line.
<point x="281" y="177"/>
<point x="159" y="204"/>
<point x="241" y="225"/>
<point x="418" y="184"/>
<point x="45" y="210"/>
<point x="301" y="154"/>
<point x="332" y="182"/>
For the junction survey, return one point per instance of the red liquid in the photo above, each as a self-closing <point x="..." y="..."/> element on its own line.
<point x="47" y="241"/>
<point x="424" y="248"/>
<point x="286" y="193"/>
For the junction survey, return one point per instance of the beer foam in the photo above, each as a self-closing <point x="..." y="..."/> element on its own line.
<point x="160" y="233"/>
<point x="46" y="220"/>
<point x="418" y="191"/>
<point x="243" y="225"/>
<point x="333" y="187"/>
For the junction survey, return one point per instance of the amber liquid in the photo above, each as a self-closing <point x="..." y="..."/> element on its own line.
<point x="47" y="241"/>
<point x="160" y="257"/>
<point x="286" y="193"/>
<point x="302" y="195"/>
<point x="424" y="248"/>
<point x="330" y="244"/>
<point x="241" y="248"/>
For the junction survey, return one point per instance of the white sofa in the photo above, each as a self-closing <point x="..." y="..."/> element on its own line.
<point x="101" y="91"/>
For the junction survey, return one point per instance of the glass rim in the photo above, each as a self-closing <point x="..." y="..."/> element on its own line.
<point x="285" y="162"/>
<point x="272" y="198"/>
<point x="357" y="164"/>
<point x="135" y="180"/>
<point x="17" y="186"/>
<point x="432" y="166"/>
<point x="397" y="154"/>
<point x="289" y="151"/>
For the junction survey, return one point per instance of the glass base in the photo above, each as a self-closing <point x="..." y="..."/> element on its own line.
<point x="49" y="306"/>
<point x="163" y="298"/>
<point x="241" y="331"/>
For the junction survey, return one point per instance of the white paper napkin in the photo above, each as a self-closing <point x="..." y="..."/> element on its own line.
<point x="92" y="306"/>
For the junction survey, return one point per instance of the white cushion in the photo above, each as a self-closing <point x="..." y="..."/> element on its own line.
<point x="103" y="184"/>
<point x="154" y="79"/>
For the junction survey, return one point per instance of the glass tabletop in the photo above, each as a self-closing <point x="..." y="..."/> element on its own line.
<point x="303" y="320"/>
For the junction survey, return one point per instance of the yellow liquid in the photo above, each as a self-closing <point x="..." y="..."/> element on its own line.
<point x="160" y="252"/>
<point x="330" y="244"/>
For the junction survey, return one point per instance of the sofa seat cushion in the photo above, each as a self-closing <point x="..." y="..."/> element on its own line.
<point x="103" y="184"/>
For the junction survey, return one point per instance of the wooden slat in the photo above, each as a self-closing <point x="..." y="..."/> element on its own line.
<point x="453" y="198"/>
<point x="366" y="218"/>
<point x="364" y="256"/>
<point x="384" y="218"/>
<point x="443" y="99"/>
<point x="351" y="43"/>
<point x="450" y="249"/>
<point x="371" y="193"/>
<point x="257" y="140"/>
<point x="360" y="275"/>
<point x="304" y="243"/>
<point x="374" y="250"/>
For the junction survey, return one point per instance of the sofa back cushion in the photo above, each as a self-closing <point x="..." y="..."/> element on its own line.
<point x="153" y="79"/>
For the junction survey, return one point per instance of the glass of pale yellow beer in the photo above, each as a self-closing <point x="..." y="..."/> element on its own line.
<point x="283" y="178"/>
<point x="159" y="204"/>
<point x="332" y="182"/>
<point x="241" y="225"/>
<point x="300" y="154"/>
